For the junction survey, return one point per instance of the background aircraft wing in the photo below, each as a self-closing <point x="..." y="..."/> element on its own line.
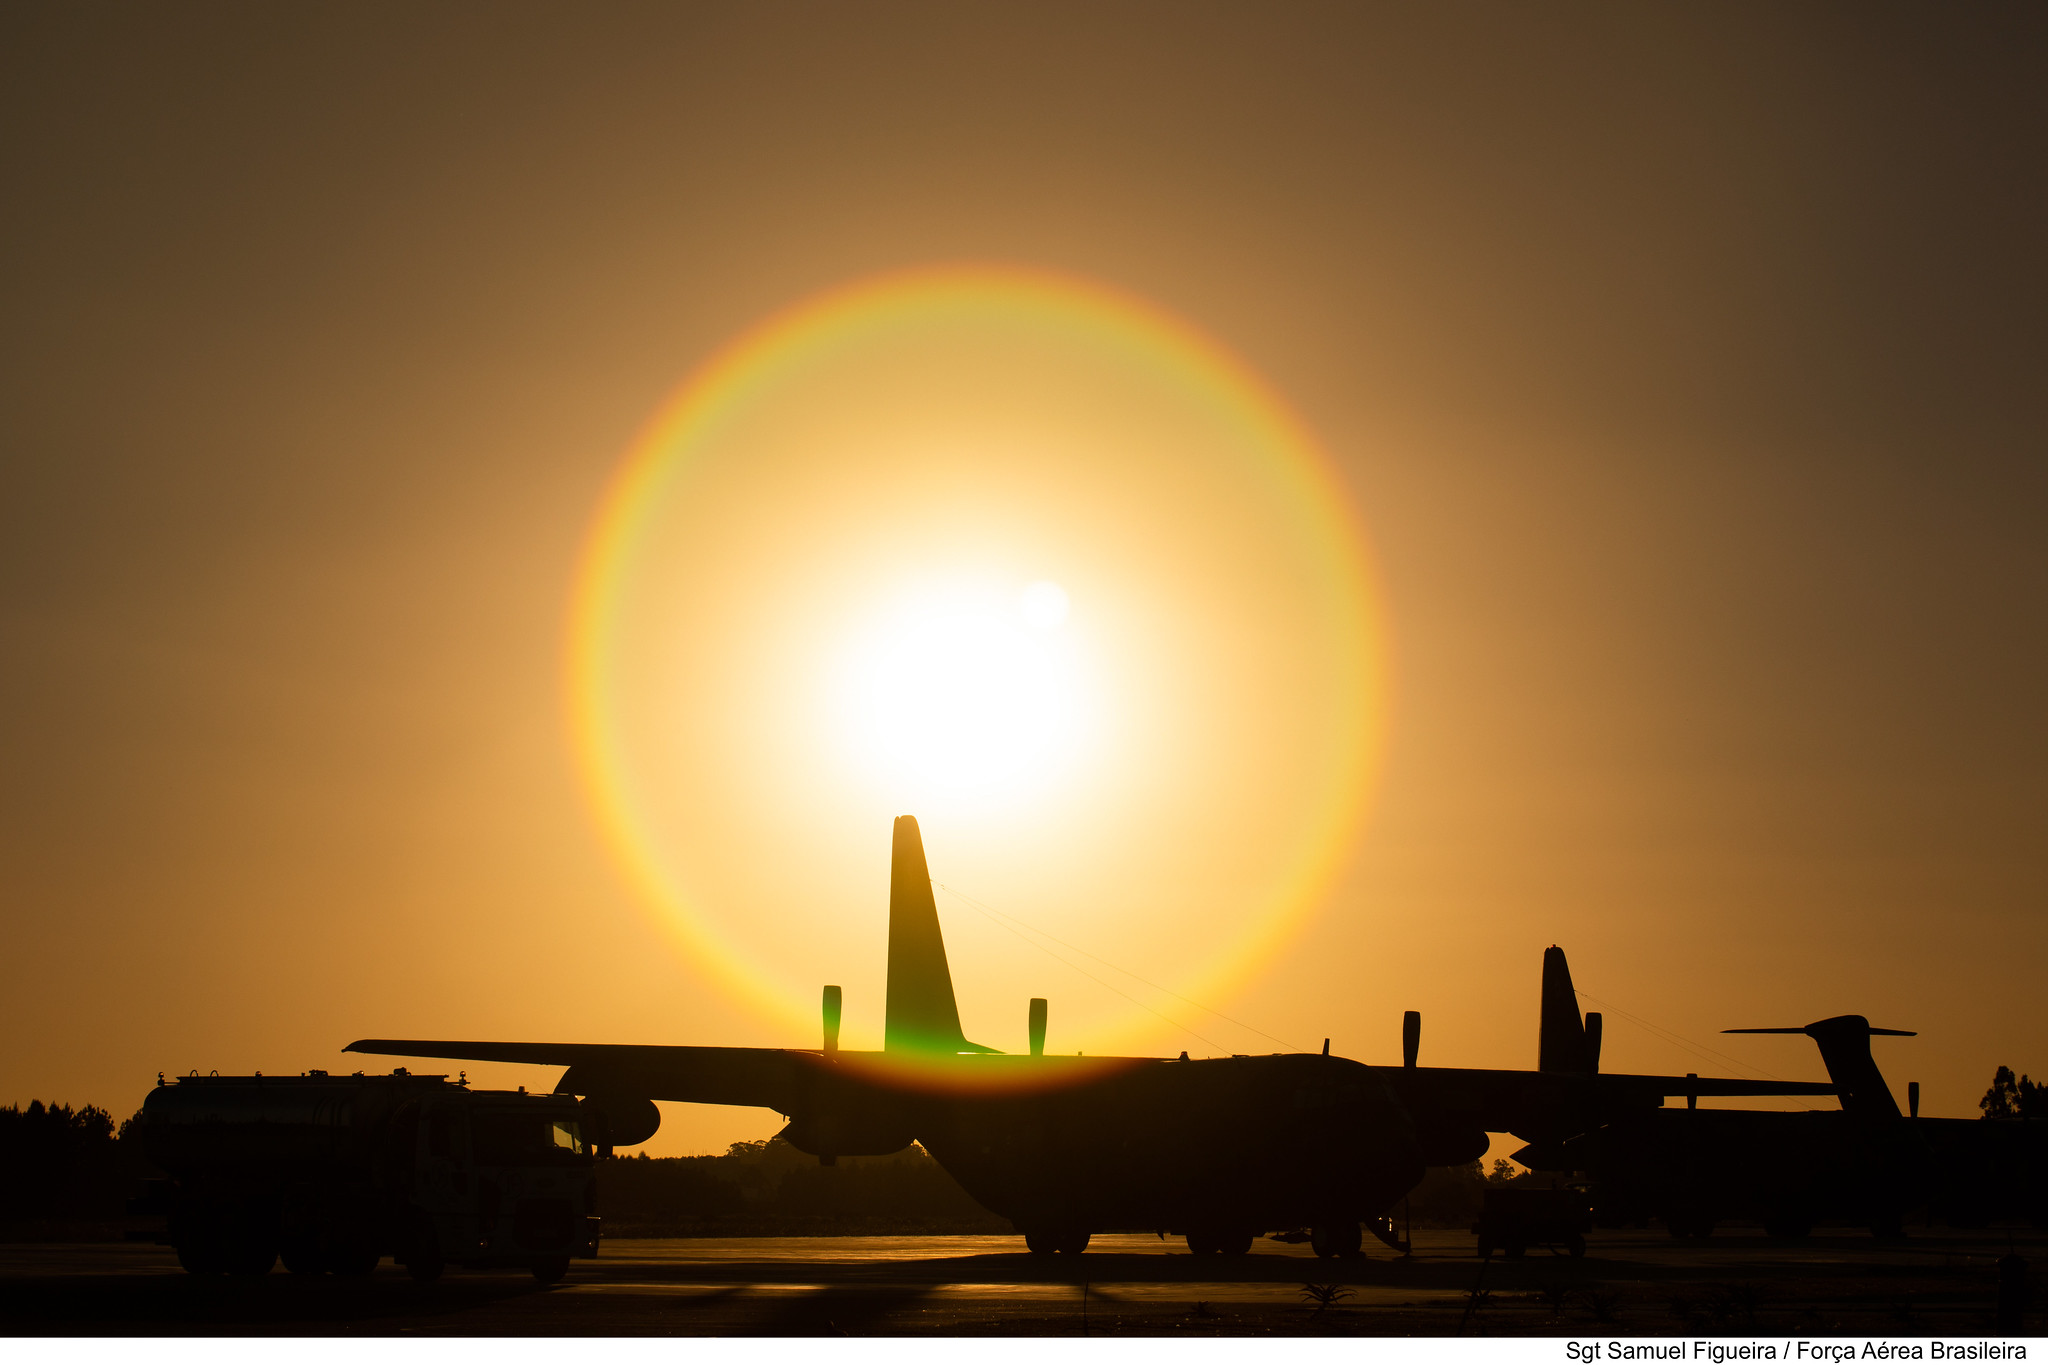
<point x="1549" y="1102"/>
<point x="765" y="1077"/>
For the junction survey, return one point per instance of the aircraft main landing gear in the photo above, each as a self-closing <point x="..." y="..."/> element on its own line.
<point x="1334" y="1239"/>
<point x="1050" y="1241"/>
<point x="1220" y="1241"/>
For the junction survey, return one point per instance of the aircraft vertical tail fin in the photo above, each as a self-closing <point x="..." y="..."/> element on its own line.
<point x="1561" y="1043"/>
<point x="921" y="1014"/>
<point x="1845" y="1050"/>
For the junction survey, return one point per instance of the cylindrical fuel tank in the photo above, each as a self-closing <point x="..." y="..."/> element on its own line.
<point x="235" y="1123"/>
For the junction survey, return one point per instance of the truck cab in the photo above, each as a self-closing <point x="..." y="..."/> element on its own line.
<point x="499" y="1179"/>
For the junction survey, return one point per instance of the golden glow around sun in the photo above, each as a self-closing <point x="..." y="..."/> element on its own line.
<point x="1018" y="555"/>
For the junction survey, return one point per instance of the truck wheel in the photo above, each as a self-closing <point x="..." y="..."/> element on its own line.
<point x="353" y="1262"/>
<point x="301" y="1255"/>
<point x="423" y="1258"/>
<point x="251" y="1259"/>
<point x="551" y="1271"/>
<point x="201" y="1258"/>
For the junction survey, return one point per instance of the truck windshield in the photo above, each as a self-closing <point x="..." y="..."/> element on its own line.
<point x="511" y="1139"/>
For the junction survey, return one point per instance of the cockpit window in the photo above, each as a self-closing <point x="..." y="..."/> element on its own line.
<point x="512" y="1139"/>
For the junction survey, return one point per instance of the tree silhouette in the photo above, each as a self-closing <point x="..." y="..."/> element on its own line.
<point x="2010" y="1098"/>
<point x="57" y="1162"/>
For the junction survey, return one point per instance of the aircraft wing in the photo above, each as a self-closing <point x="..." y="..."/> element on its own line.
<point x="764" y="1077"/>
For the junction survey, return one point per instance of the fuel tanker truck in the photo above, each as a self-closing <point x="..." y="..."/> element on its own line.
<point x="333" y="1173"/>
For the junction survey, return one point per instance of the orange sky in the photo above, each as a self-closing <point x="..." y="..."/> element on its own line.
<point x="1682" y="365"/>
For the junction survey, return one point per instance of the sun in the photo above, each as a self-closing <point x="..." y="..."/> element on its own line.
<point x="962" y="692"/>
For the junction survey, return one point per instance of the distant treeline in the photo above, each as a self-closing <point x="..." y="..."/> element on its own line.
<point x="68" y="1174"/>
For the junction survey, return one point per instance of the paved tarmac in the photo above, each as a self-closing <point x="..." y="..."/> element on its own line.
<point x="1935" y="1283"/>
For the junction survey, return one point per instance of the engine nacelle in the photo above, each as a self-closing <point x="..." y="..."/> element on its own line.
<point x="833" y="1134"/>
<point x="622" y="1120"/>
<point x="1449" y="1144"/>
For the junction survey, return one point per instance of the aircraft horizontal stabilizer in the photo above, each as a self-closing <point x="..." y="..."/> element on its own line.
<point x="1808" y="1030"/>
<point x="1845" y="1050"/>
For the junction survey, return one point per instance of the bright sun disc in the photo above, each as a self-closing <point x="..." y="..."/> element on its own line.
<point x="952" y="694"/>
<point x="1044" y="604"/>
<point x="1015" y="553"/>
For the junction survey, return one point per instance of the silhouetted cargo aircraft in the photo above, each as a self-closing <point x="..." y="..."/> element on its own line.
<point x="1218" y="1149"/>
<point x="1865" y="1163"/>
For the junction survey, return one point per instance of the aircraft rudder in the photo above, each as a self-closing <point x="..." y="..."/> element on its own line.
<point x="1560" y="1032"/>
<point x="920" y="1013"/>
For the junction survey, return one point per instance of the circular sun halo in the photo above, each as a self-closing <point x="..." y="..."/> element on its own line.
<point x="964" y="693"/>
<point x="716" y="728"/>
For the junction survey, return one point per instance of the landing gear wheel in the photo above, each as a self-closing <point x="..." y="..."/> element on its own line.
<point x="551" y="1271"/>
<point x="1237" y="1243"/>
<point x="1203" y="1243"/>
<point x="1073" y="1243"/>
<point x="1516" y="1250"/>
<point x="1575" y="1245"/>
<point x="1041" y="1243"/>
<point x="1334" y="1239"/>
